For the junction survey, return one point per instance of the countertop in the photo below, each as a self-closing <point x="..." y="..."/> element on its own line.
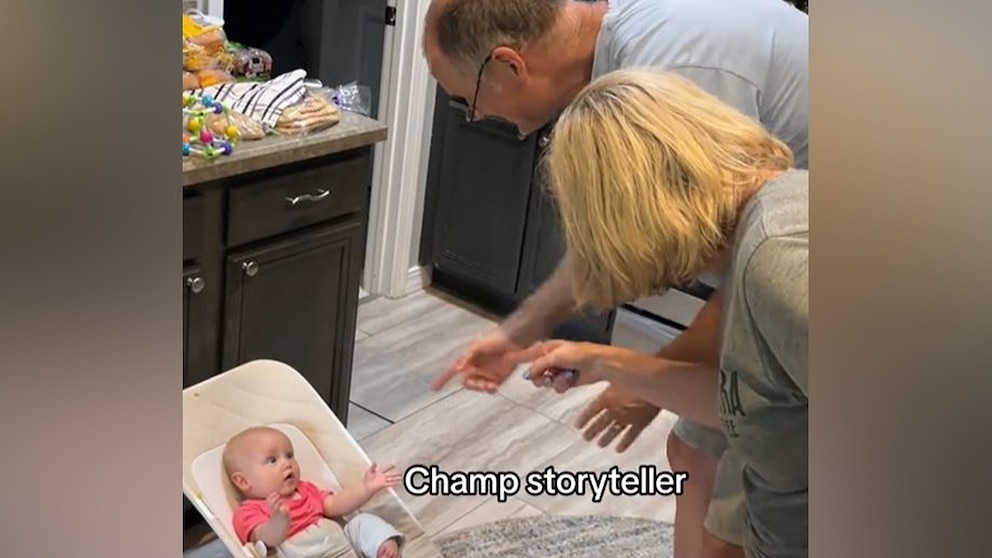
<point x="352" y="131"/>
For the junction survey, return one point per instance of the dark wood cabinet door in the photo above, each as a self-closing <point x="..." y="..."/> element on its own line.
<point x="295" y="301"/>
<point x="543" y="249"/>
<point x="482" y="194"/>
<point x="196" y="360"/>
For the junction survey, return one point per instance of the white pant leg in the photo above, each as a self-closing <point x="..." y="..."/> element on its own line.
<point x="367" y="532"/>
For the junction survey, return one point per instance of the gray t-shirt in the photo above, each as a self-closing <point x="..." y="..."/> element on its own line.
<point x="764" y="364"/>
<point x="752" y="54"/>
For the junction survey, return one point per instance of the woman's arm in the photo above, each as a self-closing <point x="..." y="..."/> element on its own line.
<point x="700" y="342"/>
<point x="684" y="388"/>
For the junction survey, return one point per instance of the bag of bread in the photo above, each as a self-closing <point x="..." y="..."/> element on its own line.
<point x="213" y="76"/>
<point x="190" y="81"/>
<point x="204" y="31"/>
<point x="204" y="43"/>
<point x="249" y="62"/>
<point x="314" y="113"/>
<point x="248" y="129"/>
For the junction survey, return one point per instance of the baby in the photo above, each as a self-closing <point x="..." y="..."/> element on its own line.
<point x="295" y="516"/>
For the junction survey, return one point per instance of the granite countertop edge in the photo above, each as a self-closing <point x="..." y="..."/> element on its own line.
<point x="353" y="131"/>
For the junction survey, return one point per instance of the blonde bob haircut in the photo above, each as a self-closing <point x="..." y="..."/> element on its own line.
<point x="650" y="173"/>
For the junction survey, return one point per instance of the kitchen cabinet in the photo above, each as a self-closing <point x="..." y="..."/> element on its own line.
<point x="293" y="300"/>
<point x="491" y="233"/>
<point x="273" y="249"/>
<point x="274" y="269"/>
<point x="482" y="218"/>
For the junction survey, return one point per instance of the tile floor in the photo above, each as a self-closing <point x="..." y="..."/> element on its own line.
<point x="402" y="345"/>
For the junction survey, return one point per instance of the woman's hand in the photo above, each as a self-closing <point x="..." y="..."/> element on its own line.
<point x="566" y="364"/>
<point x="485" y="364"/>
<point x="615" y="413"/>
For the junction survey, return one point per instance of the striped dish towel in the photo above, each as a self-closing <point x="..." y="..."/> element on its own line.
<point x="264" y="101"/>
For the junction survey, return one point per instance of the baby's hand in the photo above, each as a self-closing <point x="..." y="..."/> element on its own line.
<point x="376" y="480"/>
<point x="277" y="509"/>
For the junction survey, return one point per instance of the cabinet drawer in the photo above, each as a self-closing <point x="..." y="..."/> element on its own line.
<point x="274" y="204"/>
<point x="192" y="227"/>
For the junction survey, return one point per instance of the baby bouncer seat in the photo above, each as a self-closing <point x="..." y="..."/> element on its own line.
<point x="265" y="392"/>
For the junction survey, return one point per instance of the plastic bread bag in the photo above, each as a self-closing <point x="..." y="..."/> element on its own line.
<point x="197" y="58"/>
<point x="249" y="62"/>
<point x="248" y="129"/>
<point x="315" y="112"/>
<point x="312" y="114"/>
<point x="213" y="76"/>
<point x="204" y="31"/>
<point x="204" y="43"/>
<point x="190" y="81"/>
<point x="353" y="98"/>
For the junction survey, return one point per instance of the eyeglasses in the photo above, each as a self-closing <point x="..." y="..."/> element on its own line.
<point x="470" y="114"/>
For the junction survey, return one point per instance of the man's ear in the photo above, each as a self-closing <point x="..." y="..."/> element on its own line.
<point x="240" y="482"/>
<point x="511" y="59"/>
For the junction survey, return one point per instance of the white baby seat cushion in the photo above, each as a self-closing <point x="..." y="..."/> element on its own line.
<point x="266" y="392"/>
<point x="220" y="496"/>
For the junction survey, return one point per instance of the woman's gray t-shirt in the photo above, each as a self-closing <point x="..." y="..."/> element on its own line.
<point x="764" y="364"/>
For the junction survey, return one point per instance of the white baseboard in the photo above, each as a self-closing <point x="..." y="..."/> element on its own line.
<point x="417" y="279"/>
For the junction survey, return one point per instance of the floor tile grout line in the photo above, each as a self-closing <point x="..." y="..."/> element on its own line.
<point x="446" y="305"/>
<point x="410" y="414"/>
<point x="453" y="521"/>
<point x="371" y="412"/>
<point x="538" y="411"/>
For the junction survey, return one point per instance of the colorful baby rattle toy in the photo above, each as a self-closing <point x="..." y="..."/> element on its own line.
<point x="200" y="141"/>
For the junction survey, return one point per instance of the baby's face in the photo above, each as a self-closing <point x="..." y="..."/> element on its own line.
<point x="267" y="465"/>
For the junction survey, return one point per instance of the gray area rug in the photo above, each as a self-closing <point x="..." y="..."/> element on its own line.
<point x="561" y="537"/>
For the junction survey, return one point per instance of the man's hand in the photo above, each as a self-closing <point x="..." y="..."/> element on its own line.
<point x="485" y="365"/>
<point x="613" y="412"/>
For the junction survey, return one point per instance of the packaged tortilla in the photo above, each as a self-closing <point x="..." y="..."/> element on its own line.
<point x="248" y="129"/>
<point x="312" y="114"/>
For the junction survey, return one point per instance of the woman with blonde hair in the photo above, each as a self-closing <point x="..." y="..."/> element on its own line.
<point x="658" y="182"/>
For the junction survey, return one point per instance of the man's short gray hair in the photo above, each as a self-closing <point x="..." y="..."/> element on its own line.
<point x="466" y="31"/>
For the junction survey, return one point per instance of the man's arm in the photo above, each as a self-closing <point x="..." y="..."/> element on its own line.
<point x="550" y="305"/>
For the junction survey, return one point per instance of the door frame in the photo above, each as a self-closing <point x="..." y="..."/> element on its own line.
<point x="400" y="163"/>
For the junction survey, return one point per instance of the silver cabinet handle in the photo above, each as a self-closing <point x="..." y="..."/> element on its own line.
<point x="250" y="268"/>
<point x="321" y="194"/>
<point x="195" y="284"/>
